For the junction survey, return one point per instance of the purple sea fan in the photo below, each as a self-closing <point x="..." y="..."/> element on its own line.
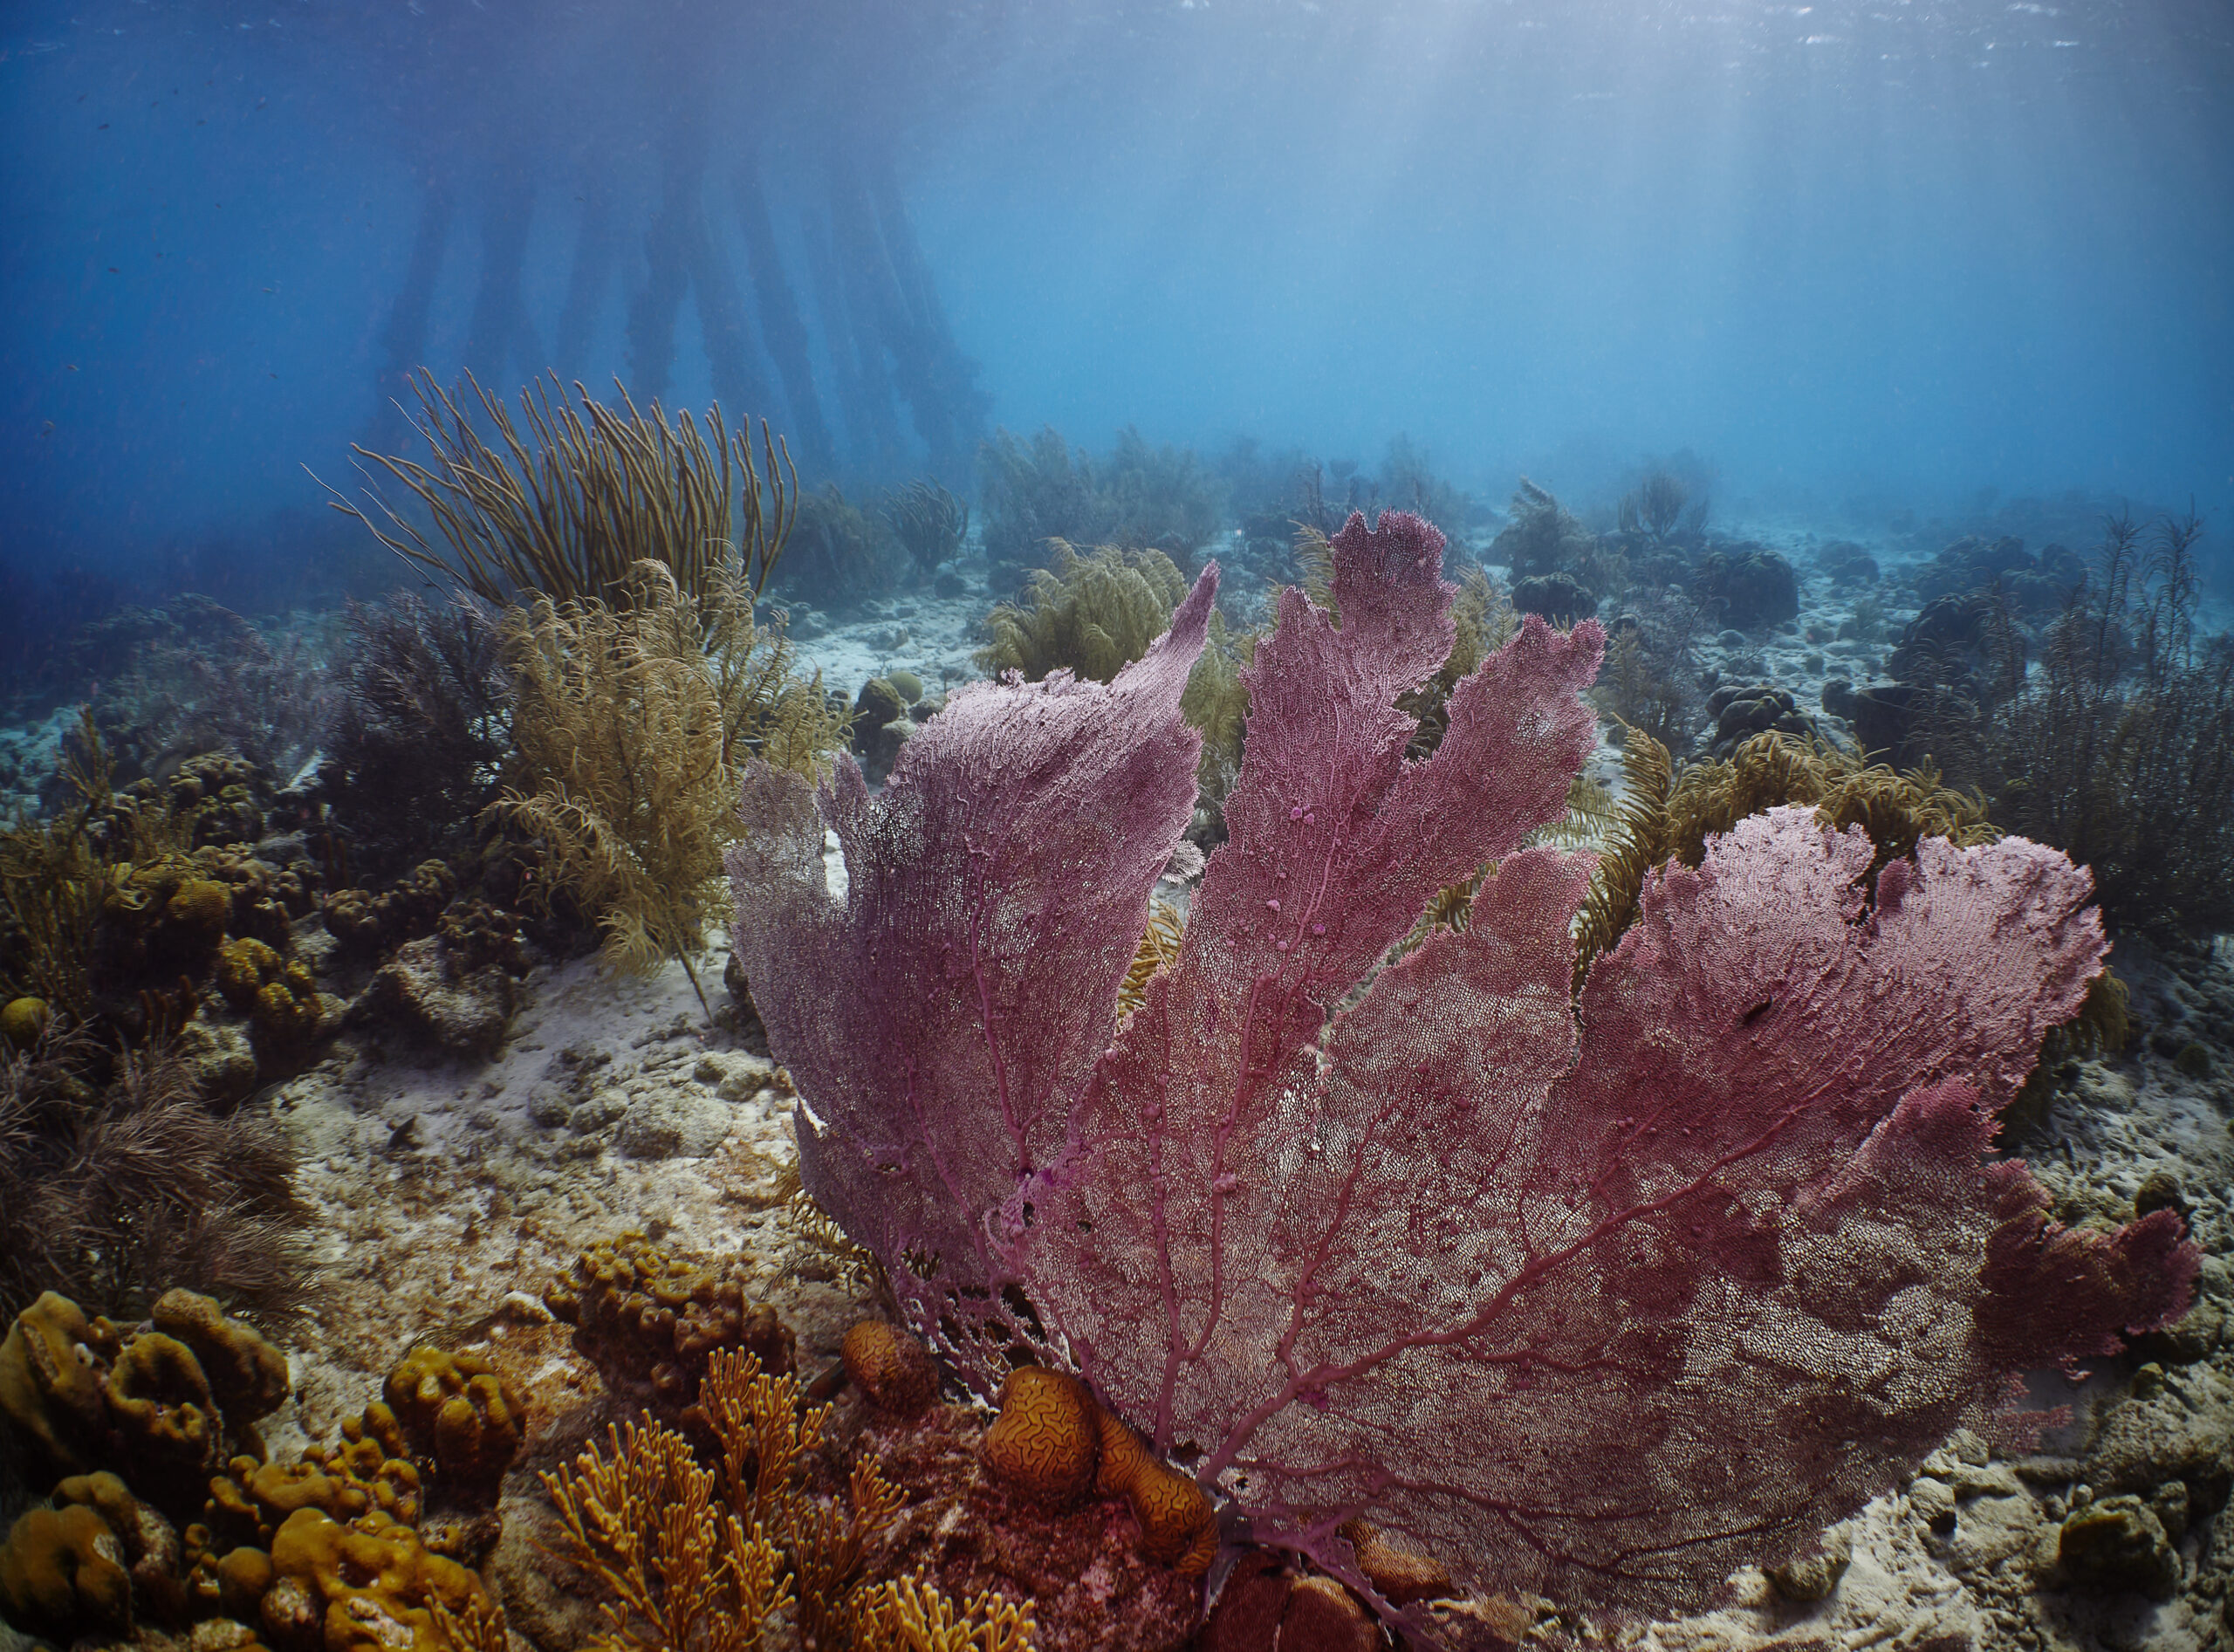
<point x="1601" y="1297"/>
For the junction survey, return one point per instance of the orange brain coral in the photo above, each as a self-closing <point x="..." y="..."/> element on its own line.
<point x="891" y="1368"/>
<point x="1046" y="1439"/>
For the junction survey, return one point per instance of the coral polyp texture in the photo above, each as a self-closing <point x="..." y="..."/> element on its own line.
<point x="1599" y="1294"/>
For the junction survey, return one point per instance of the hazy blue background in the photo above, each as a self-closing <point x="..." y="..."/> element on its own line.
<point x="1856" y="255"/>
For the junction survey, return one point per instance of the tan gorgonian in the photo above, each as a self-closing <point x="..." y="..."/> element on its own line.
<point x="567" y="507"/>
<point x="1094" y="613"/>
<point x="694" y="1558"/>
<point x="631" y="727"/>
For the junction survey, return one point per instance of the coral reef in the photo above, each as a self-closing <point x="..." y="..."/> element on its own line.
<point x="1744" y="711"/>
<point x="436" y="992"/>
<point x="369" y="924"/>
<point x="80" y="1394"/>
<point x="567" y="512"/>
<point x="372" y="1584"/>
<point x="208" y="680"/>
<point x="322" y="1553"/>
<point x="62" y="1573"/>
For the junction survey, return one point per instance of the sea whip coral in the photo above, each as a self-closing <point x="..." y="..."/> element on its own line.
<point x="1600" y="1296"/>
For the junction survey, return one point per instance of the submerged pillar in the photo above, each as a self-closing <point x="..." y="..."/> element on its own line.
<point x="500" y="332"/>
<point x="403" y="340"/>
<point x="783" y="331"/>
<point x="589" y="278"/>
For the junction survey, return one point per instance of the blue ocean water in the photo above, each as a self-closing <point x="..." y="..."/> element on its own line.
<point x="1858" y="256"/>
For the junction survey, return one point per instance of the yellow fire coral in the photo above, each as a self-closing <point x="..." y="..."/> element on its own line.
<point x="694" y="1557"/>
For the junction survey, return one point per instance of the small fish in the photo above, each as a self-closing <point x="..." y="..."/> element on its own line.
<point x="71" y="367"/>
<point x="46" y="430"/>
<point x="112" y="270"/>
<point x="102" y="127"/>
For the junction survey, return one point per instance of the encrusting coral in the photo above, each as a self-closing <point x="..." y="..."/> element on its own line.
<point x="649" y="1320"/>
<point x="323" y="1552"/>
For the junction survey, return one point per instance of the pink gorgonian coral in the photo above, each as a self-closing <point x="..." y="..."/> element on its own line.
<point x="1598" y="1295"/>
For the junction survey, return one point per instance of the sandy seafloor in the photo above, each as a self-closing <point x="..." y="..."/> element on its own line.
<point x="449" y="1193"/>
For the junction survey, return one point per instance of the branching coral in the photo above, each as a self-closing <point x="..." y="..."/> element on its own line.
<point x="423" y="726"/>
<point x="568" y="509"/>
<point x="2119" y="747"/>
<point x="632" y="725"/>
<point x="694" y="1557"/>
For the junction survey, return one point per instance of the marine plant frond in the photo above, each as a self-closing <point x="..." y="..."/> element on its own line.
<point x="1894" y="809"/>
<point x="1641" y="840"/>
<point x="1593" y="815"/>
<point x="930" y="522"/>
<point x="816" y="1232"/>
<point x="1159" y="946"/>
<point x="577" y="492"/>
<point x="1314" y="561"/>
<point x="1215" y="705"/>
